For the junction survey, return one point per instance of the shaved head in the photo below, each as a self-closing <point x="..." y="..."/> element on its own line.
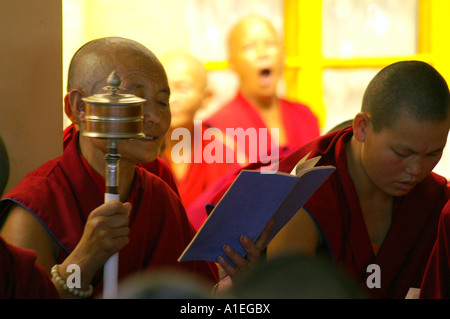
<point x="94" y="61"/>
<point x="238" y="32"/>
<point x="183" y="60"/>
<point x="188" y="82"/>
<point x="414" y="88"/>
<point x="141" y="75"/>
<point x="255" y="54"/>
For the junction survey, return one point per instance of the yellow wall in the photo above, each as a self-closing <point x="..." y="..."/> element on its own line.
<point x="141" y="20"/>
<point x="305" y="63"/>
<point x="303" y="25"/>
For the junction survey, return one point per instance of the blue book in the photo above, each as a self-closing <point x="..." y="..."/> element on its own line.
<point x="250" y="203"/>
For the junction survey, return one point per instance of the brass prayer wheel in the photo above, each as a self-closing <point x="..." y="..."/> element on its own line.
<point x="114" y="116"/>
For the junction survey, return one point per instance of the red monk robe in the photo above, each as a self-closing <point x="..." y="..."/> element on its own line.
<point x="436" y="281"/>
<point x="300" y="124"/>
<point x="200" y="176"/>
<point x="157" y="167"/>
<point x="335" y="207"/>
<point x="21" y="277"/>
<point x="62" y="192"/>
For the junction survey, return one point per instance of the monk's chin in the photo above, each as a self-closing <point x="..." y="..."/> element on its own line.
<point x="401" y="189"/>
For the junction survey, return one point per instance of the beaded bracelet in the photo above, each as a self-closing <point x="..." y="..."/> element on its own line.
<point x="62" y="283"/>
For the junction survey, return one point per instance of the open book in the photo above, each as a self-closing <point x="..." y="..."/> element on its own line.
<point x="250" y="203"/>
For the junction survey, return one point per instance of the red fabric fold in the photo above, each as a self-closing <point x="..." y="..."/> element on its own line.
<point x="62" y="193"/>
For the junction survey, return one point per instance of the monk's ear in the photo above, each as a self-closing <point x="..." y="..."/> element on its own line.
<point x="74" y="106"/>
<point x="233" y="56"/>
<point x="231" y="64"/>
<point x="361" y="125"/>
<point x="282" y="57"/>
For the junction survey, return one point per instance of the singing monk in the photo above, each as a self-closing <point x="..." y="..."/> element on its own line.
<point x="58" y="210"/>
<point x="189" y="92"/>
<point x="381" y="206"/>
<point x="255" y="54"/>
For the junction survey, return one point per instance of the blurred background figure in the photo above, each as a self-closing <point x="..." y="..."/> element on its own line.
<point x="164" y="284"/>
<point x="189" y="92"/>
<point x="255" y="54"/>
<point x="295" y="276"/>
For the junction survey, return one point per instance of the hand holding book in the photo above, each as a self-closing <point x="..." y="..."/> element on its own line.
<point x="250" y="203"/>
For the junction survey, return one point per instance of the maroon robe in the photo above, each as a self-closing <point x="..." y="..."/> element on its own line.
<point x="300" y="124"/>
<point x="157" y="167"/>
<point x="436" y="281"/>
<point x="163" y="171"/>
<point x="335" y="207"/>
<point x="62" y="193"/>
<point x="21" y="277"/>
